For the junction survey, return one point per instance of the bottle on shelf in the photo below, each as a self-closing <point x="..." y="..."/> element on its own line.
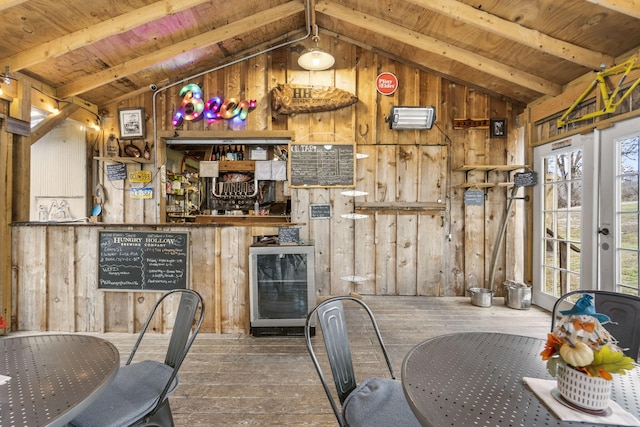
<point x="147" y="152"/>
<point x="229" y="153"/>
<point x="241" y="153"/>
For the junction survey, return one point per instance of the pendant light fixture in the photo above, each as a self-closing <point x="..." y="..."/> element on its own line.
<point x="315" y="59"/>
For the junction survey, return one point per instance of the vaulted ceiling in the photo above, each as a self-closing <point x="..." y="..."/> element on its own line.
<point x="522" y="50"/>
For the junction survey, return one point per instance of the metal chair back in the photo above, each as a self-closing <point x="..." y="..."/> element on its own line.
<point x="186" y="326"/>
<point x="333" y="325"/>
<point x="624" y="311"/>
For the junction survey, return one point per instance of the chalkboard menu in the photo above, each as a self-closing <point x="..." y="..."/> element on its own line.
<point x="474" y="197"/>
<point x="132" y="260"/>
<point x="321" y="165"/>
<point x="525" y="179"/>
<point x="288" y="235"/>
<point x="320" y="211"/>
<point x="116" y="172"/>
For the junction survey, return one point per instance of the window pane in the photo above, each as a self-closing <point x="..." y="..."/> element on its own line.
<point x="629" y="268"/>
<point x="629" y="231"/>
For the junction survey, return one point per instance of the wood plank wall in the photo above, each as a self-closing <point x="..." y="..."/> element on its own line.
<point x="398" y="253"/>
<point x="55" y="280"/>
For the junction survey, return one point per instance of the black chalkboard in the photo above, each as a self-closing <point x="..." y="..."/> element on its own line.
<point x="132" y="260"/>
<point x="321" y="165"/>
<point x="525" y="179"/>
<point x="116" y="172"/>
<point x="320" y="211"/>
<point x="288" y="235"/>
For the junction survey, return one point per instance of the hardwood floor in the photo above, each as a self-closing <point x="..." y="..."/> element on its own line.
<point x="235" y="380"/>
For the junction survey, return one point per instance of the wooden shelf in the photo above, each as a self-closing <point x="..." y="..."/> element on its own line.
<point x="479" y="184"/>
<point x="400" y="208"/>
<point x="246" y="220"/>
<point x="123" y="159"/>
<point x="490" y="168"/>
<point x="487" y="169"/>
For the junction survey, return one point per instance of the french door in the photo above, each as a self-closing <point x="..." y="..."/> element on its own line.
<point x="564" y="215"/>
<point x="586" y="214"/>
<point x="619" y="222"/>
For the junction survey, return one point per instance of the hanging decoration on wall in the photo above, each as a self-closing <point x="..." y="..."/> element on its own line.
<point x="132" y="123"/>
<point x="498" y="128"/>
<point x="386" y="83"/>
<point x="194" y="108"/>
<point x="611" y="94"/>
<point x="471" y="123"/>
<point x="295" y="99"/>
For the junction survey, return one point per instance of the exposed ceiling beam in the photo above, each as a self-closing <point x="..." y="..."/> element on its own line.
<point x="51" y="122"/>
<point x="86" y="36"/>
<point x="512" y="31"/>
<point x="424" y="64"/>
<point x="420" y="41"/>
<point x="209" y="38"/>
<point x="627" y="7"/>
<point x="6" y="4"/>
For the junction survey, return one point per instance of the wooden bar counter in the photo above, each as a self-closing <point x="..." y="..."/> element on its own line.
<point x="55" y="275"/>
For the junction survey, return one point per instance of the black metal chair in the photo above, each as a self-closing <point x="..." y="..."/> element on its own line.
<point x="622" y="309"/>
<point x="376" y="401"/>
<point x="139" y="395"/>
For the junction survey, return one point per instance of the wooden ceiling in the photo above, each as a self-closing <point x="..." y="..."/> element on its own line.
<point x="103" y="50"/>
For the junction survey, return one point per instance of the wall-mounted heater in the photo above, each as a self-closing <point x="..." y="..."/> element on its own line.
<point x="405" y="118"/>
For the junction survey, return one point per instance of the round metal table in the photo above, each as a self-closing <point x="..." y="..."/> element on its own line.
<point x="475" y="379"/>
<point x="53" y="377"/>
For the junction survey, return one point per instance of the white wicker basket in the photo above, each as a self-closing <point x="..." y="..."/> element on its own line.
<point x="587" y="392"/>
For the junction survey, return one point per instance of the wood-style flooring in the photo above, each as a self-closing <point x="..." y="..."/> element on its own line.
<point x="241" y="380"/>
<point x="238" y="380"/>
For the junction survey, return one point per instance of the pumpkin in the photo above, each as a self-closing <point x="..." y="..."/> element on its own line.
<point x="578" y="355"/>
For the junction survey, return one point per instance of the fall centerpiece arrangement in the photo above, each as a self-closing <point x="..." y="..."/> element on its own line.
<point x="584" y="356"/>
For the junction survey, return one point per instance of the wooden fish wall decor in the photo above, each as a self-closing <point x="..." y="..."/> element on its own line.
<point x="296" y="99"/>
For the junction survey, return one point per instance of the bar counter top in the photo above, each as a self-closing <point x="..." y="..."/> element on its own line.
<point x="200" y="220"/>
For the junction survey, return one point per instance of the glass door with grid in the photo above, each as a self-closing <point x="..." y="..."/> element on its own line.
<point x="564" y="214"/>
<point x="619" y="211"/>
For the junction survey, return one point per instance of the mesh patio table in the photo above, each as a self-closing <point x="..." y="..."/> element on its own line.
<point x="52" y="377"/>
<point x="475" y="379"/>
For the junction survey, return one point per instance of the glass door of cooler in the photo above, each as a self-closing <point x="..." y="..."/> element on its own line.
<point x="282" y="285"/>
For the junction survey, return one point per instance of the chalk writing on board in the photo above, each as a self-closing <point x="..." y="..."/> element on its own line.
<point x="130" y="260"/>
<point x="474" y="197"/>
<point x="117" y="172"/>
<point x="288" y="235"/>
<point x="320" y="211"/>
<point x="525" y="179"/>
<point x="322" y="165"/>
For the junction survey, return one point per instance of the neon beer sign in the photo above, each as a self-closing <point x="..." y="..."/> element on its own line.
<point x="193" y="107"/>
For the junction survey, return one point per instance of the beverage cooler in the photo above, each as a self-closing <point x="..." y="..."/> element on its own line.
<point x="282" y="288"/>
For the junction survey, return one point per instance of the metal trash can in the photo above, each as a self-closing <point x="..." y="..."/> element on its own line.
<point x="517" y="295"/>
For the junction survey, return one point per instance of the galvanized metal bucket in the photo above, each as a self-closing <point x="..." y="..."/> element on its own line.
<point x="517" y="295"/>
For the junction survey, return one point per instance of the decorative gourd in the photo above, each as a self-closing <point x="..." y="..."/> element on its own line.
<point x="578" y="355"/>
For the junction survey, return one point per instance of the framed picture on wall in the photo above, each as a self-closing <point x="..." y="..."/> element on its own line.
<point x="498" y="128"/>
<point x="132" y="125"/>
